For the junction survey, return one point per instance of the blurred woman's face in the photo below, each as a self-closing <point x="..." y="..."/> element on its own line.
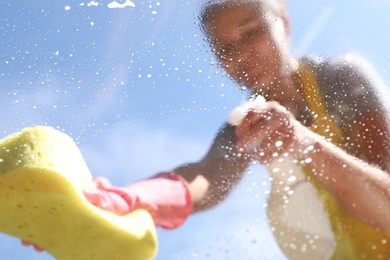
<point x="251" y="46"/>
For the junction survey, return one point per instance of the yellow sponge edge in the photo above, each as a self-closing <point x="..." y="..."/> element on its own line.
<point x="42" y="174"/>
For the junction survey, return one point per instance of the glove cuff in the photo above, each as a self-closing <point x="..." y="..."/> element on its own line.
<point x="166" y="196"/>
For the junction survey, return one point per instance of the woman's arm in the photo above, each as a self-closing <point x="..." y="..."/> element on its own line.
<point x="211" y="179"/>
<point x="362" y="187"/>
<point x="362" y="183"/>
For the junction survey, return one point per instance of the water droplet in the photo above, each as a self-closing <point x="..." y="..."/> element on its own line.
<point x="291" y="179"/>
<point x="308" y="160"/>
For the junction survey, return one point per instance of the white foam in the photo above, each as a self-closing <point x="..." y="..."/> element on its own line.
<point x="115" y="4"/>
<point x="92" y="3"/>
<point x="239" y="113"/>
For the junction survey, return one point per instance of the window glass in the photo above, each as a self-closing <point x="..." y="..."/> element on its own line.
<point x="135" y="83"/>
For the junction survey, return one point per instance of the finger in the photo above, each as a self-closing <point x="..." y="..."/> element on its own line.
<point x="252" y="139"/>
<point x="38" y="248"/>
<point x="93" y="196"/>
<point x="271" y="150"/>
<point x="273" y="136"/>
<point x="250" y="120"/>
<point x="268" y="111"/>
<point x="99" y="198"/>
<point x="102" y="183"/>
<point x="258" y="133"/>
<point x="26" y="243"/>
<point x="107" y="200"/>
<point x="118" y="204"/>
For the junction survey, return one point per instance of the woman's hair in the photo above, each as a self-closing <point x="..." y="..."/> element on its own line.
<point x="209" y="7"/>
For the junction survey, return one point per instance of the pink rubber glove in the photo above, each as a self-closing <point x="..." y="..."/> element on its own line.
<point x="165" y="196"/>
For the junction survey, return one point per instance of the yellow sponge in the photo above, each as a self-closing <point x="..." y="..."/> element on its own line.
<point x="42" y="174"/>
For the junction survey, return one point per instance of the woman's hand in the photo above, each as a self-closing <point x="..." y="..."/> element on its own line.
<point x="271" y="131"/>
<point x="107" y="197"/>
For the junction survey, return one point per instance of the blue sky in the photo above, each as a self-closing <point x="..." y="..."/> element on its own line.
<point x="139" y="91"/>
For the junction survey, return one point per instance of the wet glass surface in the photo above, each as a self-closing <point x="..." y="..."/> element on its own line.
<point x="136" y="85"/>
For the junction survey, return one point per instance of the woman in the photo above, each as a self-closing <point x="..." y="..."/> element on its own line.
<point x="323" y="133"/>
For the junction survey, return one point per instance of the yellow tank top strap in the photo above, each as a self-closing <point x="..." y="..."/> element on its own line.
<point x="355" y="240"/>
<point x="323" y="122"/>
